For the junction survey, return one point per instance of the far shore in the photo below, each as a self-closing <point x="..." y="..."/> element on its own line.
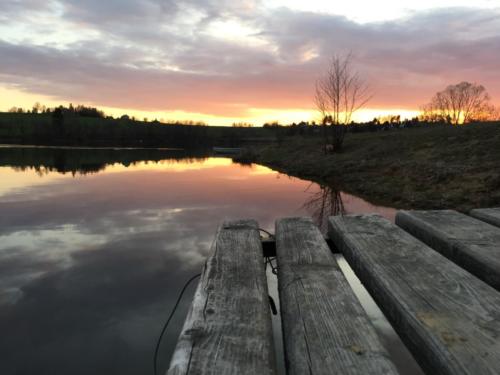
<point x="90" y="147"/>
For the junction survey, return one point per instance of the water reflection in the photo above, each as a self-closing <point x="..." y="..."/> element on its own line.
<point x="326" y="202"/>
<point x="91" y="263"/>
<point x="86" y="160"/>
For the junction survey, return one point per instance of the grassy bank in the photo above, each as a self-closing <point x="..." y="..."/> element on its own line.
<point x="426" y="168"/>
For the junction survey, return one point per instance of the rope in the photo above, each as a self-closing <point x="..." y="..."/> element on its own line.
<point x="158" y="342"/>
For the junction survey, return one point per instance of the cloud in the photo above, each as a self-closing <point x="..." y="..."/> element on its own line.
<point x="22" y="9"/>
<point x="109" y="293"/>
<point x="204" y="57"/>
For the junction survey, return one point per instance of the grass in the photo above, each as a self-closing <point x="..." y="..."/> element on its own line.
<point x="425" y="168"/>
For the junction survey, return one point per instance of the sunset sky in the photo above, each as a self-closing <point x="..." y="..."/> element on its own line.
<point x="225" y="61"/>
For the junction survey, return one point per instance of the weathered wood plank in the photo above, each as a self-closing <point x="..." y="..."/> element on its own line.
<point x="471" y="243"/>
<point x="489" y="215"/>
<point x="325" y="329"/>
<point x="269" y="246"/>
<point x="228" y="328"/>
<point x="448" y="318"/>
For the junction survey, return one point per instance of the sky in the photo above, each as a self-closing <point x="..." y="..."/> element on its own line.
<point x="229" y="61"/>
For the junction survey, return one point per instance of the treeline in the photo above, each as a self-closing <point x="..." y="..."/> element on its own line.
<point x="387" y="120"/>
<point x="88" y="111"/>
<point x="88" y="126"/>
<point x="84" y="127"/>
<point x="79" y="110"/>
<point x="377" y="124"/>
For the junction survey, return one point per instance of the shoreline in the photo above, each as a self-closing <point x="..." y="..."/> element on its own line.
<point x="114" y="148"/>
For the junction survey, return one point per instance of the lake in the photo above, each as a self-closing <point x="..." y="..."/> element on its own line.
<point x="96" y="244"/>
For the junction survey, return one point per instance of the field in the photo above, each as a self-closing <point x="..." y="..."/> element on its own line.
<point x="434" y="167"/>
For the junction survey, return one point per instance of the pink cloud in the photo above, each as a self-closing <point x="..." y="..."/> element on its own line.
<point x="405" y="61"/>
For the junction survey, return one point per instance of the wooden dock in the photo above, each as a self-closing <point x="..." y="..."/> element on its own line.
<point x="435" y="275"/>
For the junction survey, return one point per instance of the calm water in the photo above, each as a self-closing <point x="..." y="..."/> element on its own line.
<point x="96" y="244"/>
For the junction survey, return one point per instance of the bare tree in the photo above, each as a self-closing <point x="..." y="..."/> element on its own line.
<point x="37" y="108"/>
<point x="459" y="104"/>
<point x="495" y="116"/>
<point x="339" y="94"/>
<point x="488" y="113"/>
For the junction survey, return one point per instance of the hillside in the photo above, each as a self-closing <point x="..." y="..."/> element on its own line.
<point x="432" y="167"/>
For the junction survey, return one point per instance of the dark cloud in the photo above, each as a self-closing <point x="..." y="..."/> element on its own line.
<point x="165" y="56"/>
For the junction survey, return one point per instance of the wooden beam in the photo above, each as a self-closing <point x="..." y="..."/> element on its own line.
<point x="269" y="246"/>
<point x="228" y="328"/>
<point x="325" y="329"/>
<point x="489" y="215"/>
<point x="471" y="243"/>
<point x="448" y="318"/>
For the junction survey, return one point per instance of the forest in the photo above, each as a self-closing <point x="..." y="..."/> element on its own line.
<point x="89" y="127"/>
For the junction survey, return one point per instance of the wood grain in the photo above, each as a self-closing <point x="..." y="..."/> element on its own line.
<point x="448" y="318"/>
<point x="228" y="328"/>
<point x="471" y="243"/>
<point x="325" y="329"/>
<point x="489" y="215"/>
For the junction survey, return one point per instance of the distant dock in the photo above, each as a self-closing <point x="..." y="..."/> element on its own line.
<point x="227" y="150"/>
<point x="434" y="274"/>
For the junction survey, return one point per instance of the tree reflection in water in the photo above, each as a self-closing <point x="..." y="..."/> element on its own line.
<point x="324" y="203"/>
<point x="83" y="161"/>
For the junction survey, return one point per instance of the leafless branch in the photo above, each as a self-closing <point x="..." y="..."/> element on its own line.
<point x="339" y="94"/>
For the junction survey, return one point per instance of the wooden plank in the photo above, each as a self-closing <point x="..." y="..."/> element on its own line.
<point x="471" y="243"/>
<point x="448" y="318"/>
<point x="228" y="328"/>
<point x="489" y="215"/>
<point x="269" y="246"/>
<point x="325" y="329"/>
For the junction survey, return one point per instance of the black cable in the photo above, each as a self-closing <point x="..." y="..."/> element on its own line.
<point x="158" y="342"/>
<point x="269" y="260"/>
<point x="266" y="232"/>
<point x="274" y="310"/>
